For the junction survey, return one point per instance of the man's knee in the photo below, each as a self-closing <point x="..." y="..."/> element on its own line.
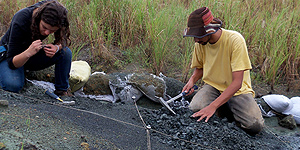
<point x="194" y="107"/>
<point x="247" y="113"/>
<point x="198" y="103"/>
<point x="254" y="128"/>
<point x="203" y="98"/>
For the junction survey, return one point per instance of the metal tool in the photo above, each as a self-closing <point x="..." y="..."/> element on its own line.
<point x="56" y="97"/>
<point x="166" y="103"/>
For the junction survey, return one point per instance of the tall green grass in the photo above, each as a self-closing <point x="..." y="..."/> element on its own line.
<point x="149" y="32"/>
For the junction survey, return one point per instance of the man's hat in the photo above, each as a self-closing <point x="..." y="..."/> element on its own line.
<point x="200" y="23"/>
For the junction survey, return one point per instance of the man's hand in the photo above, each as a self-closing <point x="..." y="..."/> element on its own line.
<point x="207" y="112"/>
<point x="188" y="88"/>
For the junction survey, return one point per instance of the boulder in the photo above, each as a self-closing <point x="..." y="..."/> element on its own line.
<point x="288" y="122"/>
<point x="150" y="85"/>
<point x="97" y="84"/>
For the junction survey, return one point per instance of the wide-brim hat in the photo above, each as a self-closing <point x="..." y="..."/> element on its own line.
<point x="201" y="23"/>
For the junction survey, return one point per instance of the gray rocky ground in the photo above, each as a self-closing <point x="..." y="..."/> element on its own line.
<point x="33" y="120"/>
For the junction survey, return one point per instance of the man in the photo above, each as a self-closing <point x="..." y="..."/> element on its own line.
<point x="221" y="59"/>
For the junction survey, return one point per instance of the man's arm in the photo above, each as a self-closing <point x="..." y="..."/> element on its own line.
<point x="208" y="111"/>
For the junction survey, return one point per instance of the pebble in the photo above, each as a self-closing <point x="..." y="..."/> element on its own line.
<point x="230" y="125"/>
<point x="2" y="146"/>
<point x="4" y="103"/>
<point x="164" y="117"/>
<point x="190" y="130"/>
<point x="85" y="146"/>
<point x="225" y="128"/>
<point x="182" y="121"/>
<point x="215" y="122"/>
<point x="224" y="120"/>
<point x="182" y="144"/>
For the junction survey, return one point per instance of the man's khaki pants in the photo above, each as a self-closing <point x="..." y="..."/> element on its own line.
<point x="243" y="107"/>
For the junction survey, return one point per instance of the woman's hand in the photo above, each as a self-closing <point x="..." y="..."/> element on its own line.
<point x="50" y="50"/>
<point x="35" y="47"/>
<point x="20" y="59"/>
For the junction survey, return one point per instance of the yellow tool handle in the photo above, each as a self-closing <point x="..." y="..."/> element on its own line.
<point x="53" y="95"/>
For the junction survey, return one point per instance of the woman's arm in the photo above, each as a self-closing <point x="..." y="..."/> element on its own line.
<point x="20" y="59"/>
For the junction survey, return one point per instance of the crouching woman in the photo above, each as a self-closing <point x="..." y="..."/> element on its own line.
<point x="25" y="49"/>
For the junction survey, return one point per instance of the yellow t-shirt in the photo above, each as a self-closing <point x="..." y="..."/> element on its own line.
<point x="220" y="59"/>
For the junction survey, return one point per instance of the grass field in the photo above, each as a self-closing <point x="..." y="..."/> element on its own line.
<point x="149" y="32"/>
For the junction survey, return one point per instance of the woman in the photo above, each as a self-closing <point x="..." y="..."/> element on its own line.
<point x="26" y="51"/>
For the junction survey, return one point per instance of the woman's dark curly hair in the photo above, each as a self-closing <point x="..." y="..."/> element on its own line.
<point x="56" y="15"/>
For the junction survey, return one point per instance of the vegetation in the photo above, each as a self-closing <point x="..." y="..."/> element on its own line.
<point x="149" y="32"/>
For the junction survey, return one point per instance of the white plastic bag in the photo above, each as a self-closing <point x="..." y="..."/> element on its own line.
<point x="284" y="105"/>
<point x="79" y="74"/>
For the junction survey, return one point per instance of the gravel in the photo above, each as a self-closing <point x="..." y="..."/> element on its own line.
<point x="33" y="120"/>
<point x="185" y="132"/>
